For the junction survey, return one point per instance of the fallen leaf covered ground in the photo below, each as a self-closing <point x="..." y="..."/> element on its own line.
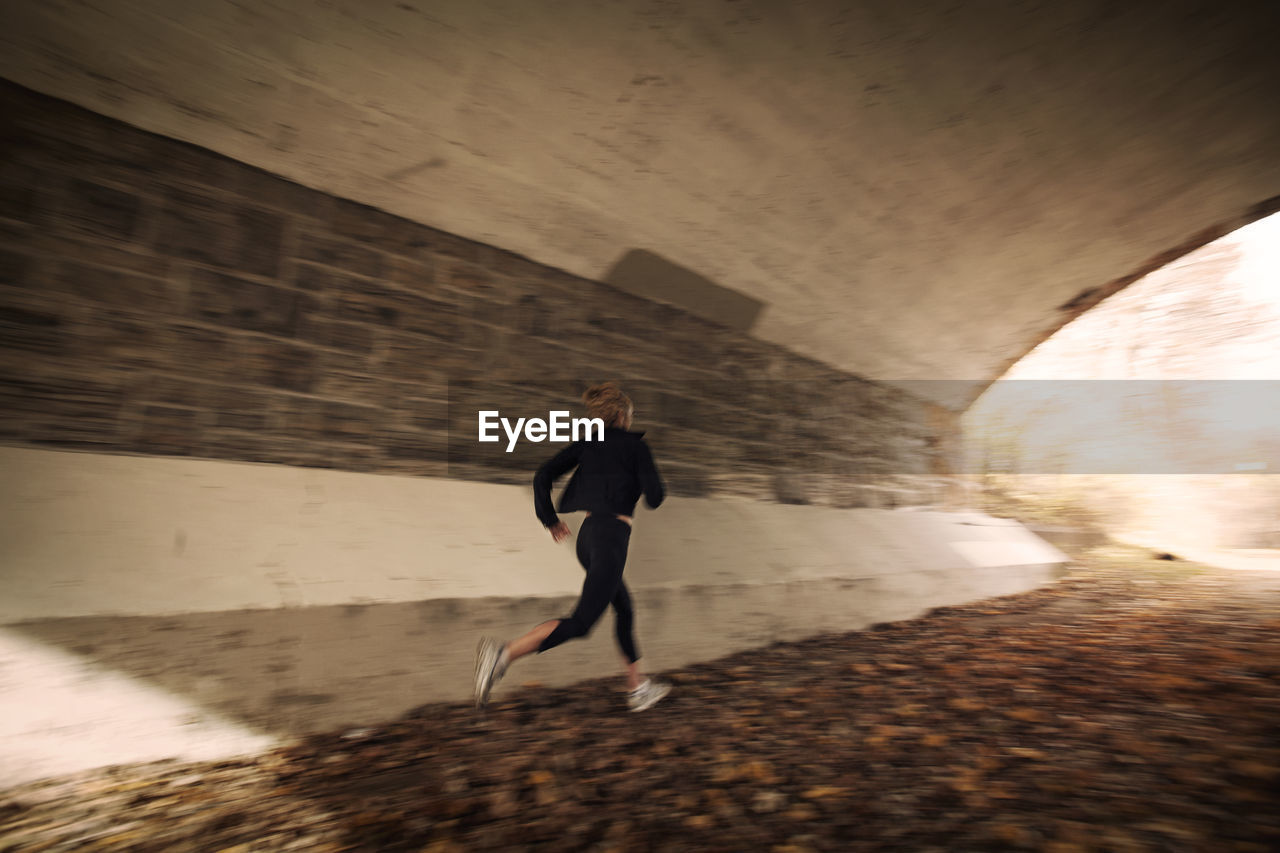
<point x="1132" y="706"/>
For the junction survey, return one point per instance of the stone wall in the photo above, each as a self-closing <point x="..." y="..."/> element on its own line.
<point x="159" y="299"/>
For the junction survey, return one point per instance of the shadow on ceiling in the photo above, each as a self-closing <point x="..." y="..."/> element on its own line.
<point x="643" y="273"/>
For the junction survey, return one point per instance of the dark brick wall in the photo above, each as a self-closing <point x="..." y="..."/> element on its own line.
<point x="156" y="298"/>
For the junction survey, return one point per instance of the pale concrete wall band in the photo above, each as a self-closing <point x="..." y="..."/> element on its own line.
<point x="291" y="599"/>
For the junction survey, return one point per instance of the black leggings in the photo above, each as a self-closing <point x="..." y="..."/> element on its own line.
<point x="602" y="550"/>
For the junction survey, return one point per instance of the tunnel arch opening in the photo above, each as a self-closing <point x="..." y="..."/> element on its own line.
<point x="1152" y="416"/>
<point x="1084" y="301"/>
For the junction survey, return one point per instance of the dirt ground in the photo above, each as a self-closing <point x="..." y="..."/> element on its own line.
<point x="1132" y="706"/>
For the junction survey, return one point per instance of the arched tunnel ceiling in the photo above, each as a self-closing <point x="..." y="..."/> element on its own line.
<point x="913" y="190"/>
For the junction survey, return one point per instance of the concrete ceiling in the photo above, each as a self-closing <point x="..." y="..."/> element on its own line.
<point x="914" y="190"/>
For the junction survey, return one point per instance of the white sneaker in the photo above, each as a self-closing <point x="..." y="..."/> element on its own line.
<point x="647" y="695"/>
<point x="488" y="670"/>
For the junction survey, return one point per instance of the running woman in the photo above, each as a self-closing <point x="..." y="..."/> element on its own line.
<point x="611" y="476"/>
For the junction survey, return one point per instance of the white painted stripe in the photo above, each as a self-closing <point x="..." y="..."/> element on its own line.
<point x="62" y="714"/>
<point x="989" y="554"/>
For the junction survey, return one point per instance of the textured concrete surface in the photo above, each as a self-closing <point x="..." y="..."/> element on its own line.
<point x="63" y="713"/>
<point x="998" y="167"/>
<point x="1128" y="707"/>
<point x="293" y="670"/>
<point x="208" y="602"/>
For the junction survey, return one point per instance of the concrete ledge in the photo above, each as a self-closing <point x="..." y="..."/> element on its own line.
<point x="293" y="670"/>
<point x="266" y="600"/>
<point x="1070" y="537"/>
<point x="85" y="534"/>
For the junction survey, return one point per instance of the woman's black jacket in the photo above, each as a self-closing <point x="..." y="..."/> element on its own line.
<point x="611" y="476"/>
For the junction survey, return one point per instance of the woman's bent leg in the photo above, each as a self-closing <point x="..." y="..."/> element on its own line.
<point x="597" y="591"/>
<point x="624" y="623"/>
<point x="522" y="646"/>
<point x="602" y="550"/>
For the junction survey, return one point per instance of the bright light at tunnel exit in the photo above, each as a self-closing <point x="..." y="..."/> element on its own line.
<point x="1256" y="279"/>
<point x="1204" y="322"/>
<point x="1260" y="266"/>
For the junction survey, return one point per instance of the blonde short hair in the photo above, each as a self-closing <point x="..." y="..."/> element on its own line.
<point x="607" y="402"/>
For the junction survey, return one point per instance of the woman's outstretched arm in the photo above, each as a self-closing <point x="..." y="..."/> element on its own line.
<point x="546" y="476"/>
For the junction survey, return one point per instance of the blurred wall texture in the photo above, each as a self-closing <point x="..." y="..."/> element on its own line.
<point x="162" y="299"/>
<point x="187" y="341"/>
